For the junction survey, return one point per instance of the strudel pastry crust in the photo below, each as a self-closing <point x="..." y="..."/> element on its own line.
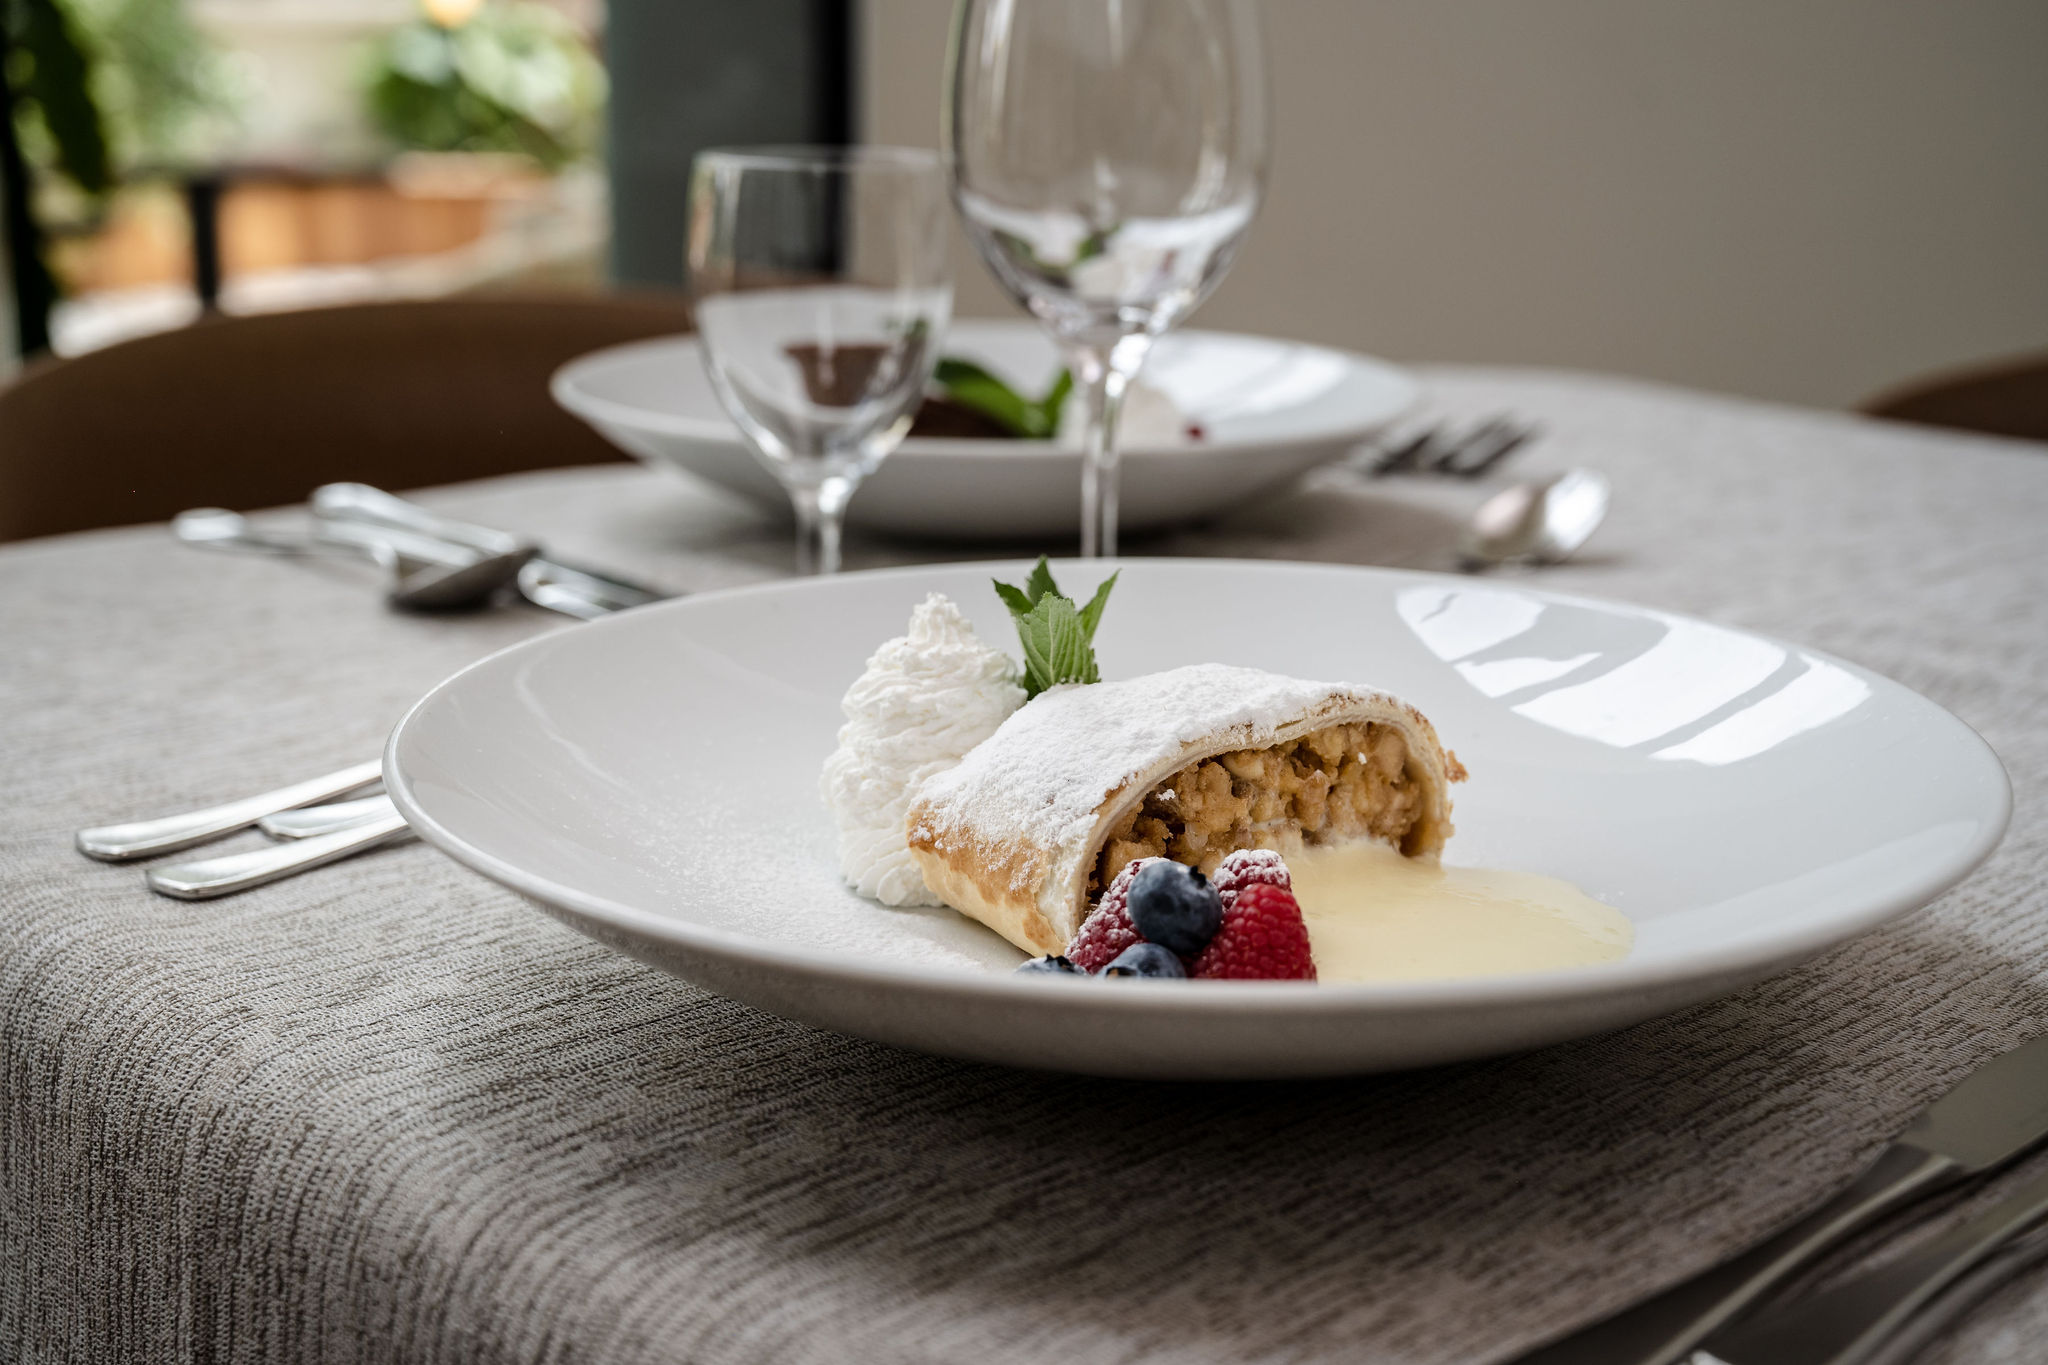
<point x="1192" y="763"/>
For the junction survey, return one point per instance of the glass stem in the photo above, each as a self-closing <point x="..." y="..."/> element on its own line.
<point x="1102" y="376"/>
<point x="820" y="509"/>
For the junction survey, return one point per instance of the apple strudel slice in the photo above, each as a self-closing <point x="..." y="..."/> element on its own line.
<point x="1191" y="764"/>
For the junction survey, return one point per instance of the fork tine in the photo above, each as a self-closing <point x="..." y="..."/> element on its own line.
<point x="1455" y="453"/>
<point x="1404" y="456"/>
<point x="1478" y="445"/>
<point x="1513" y="438"/>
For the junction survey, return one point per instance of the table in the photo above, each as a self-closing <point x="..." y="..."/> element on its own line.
<point x="387" y="1112"/>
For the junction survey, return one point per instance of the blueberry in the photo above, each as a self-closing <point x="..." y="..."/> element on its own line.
<point x="1145" y="959"/>
<point x="1048" y="966"/>
<point x="1174" y="906"/>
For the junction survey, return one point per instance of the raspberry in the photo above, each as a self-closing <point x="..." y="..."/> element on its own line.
<point x="1108" y="930"/>
<point x="1250" y="867"/>
<point x="1262" y="939"/>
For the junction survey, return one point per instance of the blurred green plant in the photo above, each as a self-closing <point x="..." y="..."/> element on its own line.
<point x="505" y="76"/>
<point x="47" y="117"/>
<point x="166" y="92"/>
<point x="92" y="88"/>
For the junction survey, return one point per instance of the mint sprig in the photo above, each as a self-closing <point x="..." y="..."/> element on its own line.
<point x="1058" y="638"/>
<point x="971" y="386"/>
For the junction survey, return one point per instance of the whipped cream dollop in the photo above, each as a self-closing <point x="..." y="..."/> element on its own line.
<point x="926" y="699"/>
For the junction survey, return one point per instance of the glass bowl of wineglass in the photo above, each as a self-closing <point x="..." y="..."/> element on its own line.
<point x="821" y="293"/>
<point x="1107" y="158"/>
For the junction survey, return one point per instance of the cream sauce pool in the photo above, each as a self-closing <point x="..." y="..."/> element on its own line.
<point x="1374" y="915"/>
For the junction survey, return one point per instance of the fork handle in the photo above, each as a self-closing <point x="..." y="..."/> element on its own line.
<point x="224" y="876"/>
<point x="147" y="838"/>
<point x="307" y="821"/>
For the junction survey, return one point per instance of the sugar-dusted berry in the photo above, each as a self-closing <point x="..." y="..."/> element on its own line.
<point x="1108" y="929"/>
<point x="1250" y="867"/>
<point x="1262" y="939"/>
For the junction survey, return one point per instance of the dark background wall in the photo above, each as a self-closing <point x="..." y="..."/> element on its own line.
<point x="689" y="74"/>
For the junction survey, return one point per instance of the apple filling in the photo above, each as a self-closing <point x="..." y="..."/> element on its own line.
<point x="1329" y="786"/>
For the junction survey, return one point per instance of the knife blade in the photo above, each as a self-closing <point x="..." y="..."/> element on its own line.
<point x="360" y="502"/>
<point x="1991" y="1116"/>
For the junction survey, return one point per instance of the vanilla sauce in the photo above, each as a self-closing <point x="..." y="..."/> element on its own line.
<point x="1374" y="915"/>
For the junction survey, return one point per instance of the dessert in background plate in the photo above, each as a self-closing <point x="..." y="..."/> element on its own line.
<point x="1208" y="821"/>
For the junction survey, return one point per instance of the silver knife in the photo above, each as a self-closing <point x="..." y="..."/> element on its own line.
<point x="1854" y="1322"/>
<point x="1993" y="1115"/>
<point x="604" y="593"/>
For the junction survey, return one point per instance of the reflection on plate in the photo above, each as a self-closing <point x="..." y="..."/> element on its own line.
<point x="1270" y="410"/>
<point x="650" y="779"/>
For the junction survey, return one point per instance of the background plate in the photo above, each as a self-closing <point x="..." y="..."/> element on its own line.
<point x="652" y="780"/>
<point x="1272" y="409"/>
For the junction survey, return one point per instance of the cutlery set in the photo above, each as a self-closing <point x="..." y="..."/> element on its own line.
<point x="1447" y="450"/>
<point x="436" y="564"/>
<point x="1532" y="522"/>
<point x="1731" y="1314"/>
<point x="1991" y="1118"/>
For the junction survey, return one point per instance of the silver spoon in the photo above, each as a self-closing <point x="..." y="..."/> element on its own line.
<point x="426" y="575"/>
<point x="1543" y="522"/>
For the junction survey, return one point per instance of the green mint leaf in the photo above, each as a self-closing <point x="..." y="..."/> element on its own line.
<point x="972" y="386"/>
<point x="1055" y="401"/>
<point x="999" y="403"/>
<point x="1091" y="615"/>
<point x="1035" y="635"/>
<point x="1057" y="638"/>
<point x="1040" y="583"/>
<point x="1055" y="647"/>
<point x="953" y="370"/>
<point x="1013" y="598"/>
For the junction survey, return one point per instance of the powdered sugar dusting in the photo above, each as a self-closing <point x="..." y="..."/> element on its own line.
<point x="1043" y="775"/>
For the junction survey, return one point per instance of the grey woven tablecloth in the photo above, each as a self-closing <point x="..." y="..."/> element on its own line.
<point x="388" y="1113"/>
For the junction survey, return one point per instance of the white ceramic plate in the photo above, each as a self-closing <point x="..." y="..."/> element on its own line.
<point x="651" y="779"/>
<point x="1272" y="410"/>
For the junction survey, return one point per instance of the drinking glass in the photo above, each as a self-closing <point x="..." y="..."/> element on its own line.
<point x="1107" y="157"/>
<point x="819" y="281"/>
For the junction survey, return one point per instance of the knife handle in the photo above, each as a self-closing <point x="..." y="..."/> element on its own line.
<point x="572" y="586"/>
<point x="1849" y="1323"/>
<point x="1661" y="1330"/>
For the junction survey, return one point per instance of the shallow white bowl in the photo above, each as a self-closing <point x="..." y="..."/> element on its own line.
<point x="1271" y="409"/>
<point x="651" y="779"/>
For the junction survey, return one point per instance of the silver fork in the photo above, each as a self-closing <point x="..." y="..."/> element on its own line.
<point x="1446" y="450"/>
<point x="147" y="838"/>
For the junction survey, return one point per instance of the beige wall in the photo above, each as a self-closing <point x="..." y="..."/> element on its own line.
<point x="1796" y="199"/>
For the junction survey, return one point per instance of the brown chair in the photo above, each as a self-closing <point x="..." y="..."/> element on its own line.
<point x="257" y="411"/>
<point x="2008" y="398"/>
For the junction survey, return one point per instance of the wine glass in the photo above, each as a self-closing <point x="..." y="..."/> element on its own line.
<point x="819" y="281"/>
<point x="1107" y="157"/>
